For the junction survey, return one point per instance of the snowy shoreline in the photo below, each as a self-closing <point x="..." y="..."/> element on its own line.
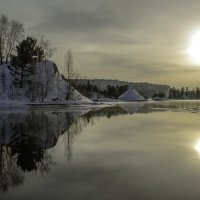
<point x="17" y="104"/>
<point x="20" y="104"/>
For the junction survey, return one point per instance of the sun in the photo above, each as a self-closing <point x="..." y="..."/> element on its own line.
<point x="197" y="146"/>
<point x="194" y="48"/>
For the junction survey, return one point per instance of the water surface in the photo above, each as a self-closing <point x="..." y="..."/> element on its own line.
<point x="126" y="151"/>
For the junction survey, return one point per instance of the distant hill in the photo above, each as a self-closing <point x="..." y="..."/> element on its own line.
<point x="145" y="89"/>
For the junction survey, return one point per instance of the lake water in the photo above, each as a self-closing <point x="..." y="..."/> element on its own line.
<point x="142" y="151"/>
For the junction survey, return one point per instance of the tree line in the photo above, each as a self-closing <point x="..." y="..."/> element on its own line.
<point x="110" y="91"/>
<point x="184" y="93"/>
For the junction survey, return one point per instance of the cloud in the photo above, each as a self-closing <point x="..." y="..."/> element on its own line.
<point x="143" y="38"/>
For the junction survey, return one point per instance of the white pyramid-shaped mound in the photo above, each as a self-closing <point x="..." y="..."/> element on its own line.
<point x="131" y="95"/>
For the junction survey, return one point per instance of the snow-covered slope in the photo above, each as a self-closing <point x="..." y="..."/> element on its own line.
<point x="46" y="85"/>
<point x="5" y="83"/>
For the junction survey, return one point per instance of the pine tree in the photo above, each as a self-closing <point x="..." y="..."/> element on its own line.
<point x="22" y="65"/>
<point x="197" y="92"/>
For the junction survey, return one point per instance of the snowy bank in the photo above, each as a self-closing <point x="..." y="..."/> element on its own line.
<point x="46" y="86"/>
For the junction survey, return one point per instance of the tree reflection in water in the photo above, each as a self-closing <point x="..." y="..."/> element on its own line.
<point x="10" y="173"/>
<point x="27" y="136"/>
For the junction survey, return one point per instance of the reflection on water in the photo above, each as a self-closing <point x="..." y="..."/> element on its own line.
<point x="28" y="136"/>
<point x="25" y="138"/>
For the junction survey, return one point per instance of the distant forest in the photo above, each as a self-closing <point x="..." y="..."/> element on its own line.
<point x="184" y="93"/>
<point x="116" y="91"/>
<point x="110" y="92"/>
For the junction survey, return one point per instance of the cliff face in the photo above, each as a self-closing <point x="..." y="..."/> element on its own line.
<point x="45" y="85"/>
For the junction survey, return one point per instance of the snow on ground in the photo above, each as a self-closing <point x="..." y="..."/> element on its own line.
<point x="48" y="86"/>
<point x="131" y="95"/>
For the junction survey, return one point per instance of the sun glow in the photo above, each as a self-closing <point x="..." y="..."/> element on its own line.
<point x="197" y="146"/>
<point x="194" y="48"/>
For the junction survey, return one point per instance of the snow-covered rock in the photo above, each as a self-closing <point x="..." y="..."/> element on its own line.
<point x="5" y="83"/>
<point x="46" y="85"/>
<point x="157" y="98"/>
<point x="131" y="95"/>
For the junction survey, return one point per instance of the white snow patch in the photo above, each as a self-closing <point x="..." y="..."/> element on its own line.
<point x="48" y="86"/>
<point x="131" y="95"/>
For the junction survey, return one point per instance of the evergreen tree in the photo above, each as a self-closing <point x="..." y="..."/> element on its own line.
<point x="23" y="63"/>
<point x="89" y="86"/>
<point x="197" y="93"/>
<point x="182" y="92"/>
<point x="95" y="88"/>
<point x="186" y="91"/>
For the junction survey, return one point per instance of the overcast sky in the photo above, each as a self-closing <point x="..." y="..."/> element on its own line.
<point x="134" y="40"/>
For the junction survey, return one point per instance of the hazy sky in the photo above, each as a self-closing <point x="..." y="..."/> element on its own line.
<point x="134" y="40"/>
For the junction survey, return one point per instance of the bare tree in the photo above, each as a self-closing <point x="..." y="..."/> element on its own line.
<point x="4" y="24"/>
<point x="15" y="33"/>
<point x="46" y="47"/>
<point x="69" y="71"/>
<point x="69" y="66"/>
<point x="10" y="34"/>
